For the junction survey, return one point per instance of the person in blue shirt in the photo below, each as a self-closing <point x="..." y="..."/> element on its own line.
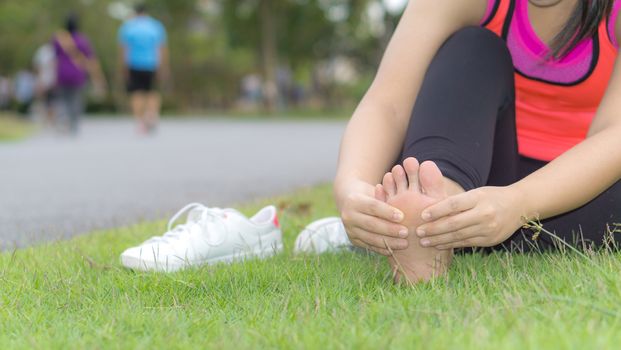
<point x="144" y="59"/>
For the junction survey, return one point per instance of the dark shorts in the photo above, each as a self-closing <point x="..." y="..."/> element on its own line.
<point x="141" y="80"/>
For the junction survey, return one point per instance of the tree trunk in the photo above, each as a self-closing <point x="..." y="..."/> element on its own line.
<point x="268" y="54"/>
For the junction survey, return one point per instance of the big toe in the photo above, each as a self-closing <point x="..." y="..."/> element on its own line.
<point x="431" y="180"/>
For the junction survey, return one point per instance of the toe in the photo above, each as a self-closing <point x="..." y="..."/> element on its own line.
<point x="389" y="185"/>
<point x="431" y="180"/>
<point x="411" y="169"/>
<point x="400" y="180"/>
<point x="380" y="194"/>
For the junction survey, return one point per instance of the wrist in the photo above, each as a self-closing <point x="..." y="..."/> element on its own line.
<point x="519" y="199"/>
<point x="345" y="186"/>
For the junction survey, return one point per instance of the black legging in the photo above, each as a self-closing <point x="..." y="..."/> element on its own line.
<point x="464" y="120"/>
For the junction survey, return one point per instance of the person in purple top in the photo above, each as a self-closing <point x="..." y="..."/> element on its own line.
<point x="76" y="62"/>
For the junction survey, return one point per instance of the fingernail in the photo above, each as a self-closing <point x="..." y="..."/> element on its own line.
<point x="420" y="232"/>
<point x="424" y="243"/>
<point x="397" y="216"/>
<point x="403" y="233"/>
<point x="426" y="215"/>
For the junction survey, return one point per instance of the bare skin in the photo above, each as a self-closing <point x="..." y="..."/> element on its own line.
<point x="146" y="109"/>
<point x="146" y="105"/>
<point x="412" y="188"/>
<point x="484" y="216"/>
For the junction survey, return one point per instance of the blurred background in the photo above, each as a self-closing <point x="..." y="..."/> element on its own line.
<point x="225" y="55"/>
<point x="256" y="94"/>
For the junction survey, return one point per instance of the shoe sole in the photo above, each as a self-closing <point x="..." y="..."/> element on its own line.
<point x="260" y="252"/>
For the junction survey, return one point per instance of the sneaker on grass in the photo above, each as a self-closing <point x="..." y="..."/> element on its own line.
<point x="209" y="236"/>
<point x="322" y="236"/>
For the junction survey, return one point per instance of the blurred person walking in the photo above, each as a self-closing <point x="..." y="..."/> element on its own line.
<point x="44" y="62"/>
<point x="5" y="93"/>
<point x="143" y="58"/>
<point x="25" y="84"/>
<point x="75" y="63"/>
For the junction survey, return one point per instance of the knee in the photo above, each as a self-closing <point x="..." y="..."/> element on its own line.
<point x="481" y="47"/>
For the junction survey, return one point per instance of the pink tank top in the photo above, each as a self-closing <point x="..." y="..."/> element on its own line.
<point x="555" y="100"/>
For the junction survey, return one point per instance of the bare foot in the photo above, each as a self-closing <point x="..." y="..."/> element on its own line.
<point x="411" y="190"/>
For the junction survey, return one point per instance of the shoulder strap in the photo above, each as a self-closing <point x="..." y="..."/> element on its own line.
<point x="70" y="47"/>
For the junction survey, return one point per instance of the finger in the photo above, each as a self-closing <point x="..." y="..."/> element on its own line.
<point x="450" y="238"/>
<point x="431" y="180"/>
<point x="450" y="206"/>
<point x="411" y="167"/>
<point x="380" y="194"/>
<point x="400" y="179"/>
<point x="360" y="244"/>
<point x="389" y="185"/>
<point x="448" y="224"/>
<point x="373" y="207"/>
<point x="378" y="241"/>
<point x="469" y="243"/>
<point x="378" y="226"/>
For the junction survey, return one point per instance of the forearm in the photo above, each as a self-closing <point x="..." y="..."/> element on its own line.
<point x="574" y="178"/>
<point x="375" y="134"/>
<point x="370" y="145"/>
<point x="164" y="67"/>
<point x="121" y="64"/>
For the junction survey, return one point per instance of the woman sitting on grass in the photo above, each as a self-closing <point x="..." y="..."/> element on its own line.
<point x="498" y="112"/>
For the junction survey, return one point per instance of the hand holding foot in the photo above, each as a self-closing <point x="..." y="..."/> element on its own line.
<point x="413" y="188"/>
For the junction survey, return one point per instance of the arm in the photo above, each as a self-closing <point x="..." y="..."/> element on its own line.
<point x="163" y="70"/>
<point x="122" y="70"/>
<point x="585" y="171"/>
<point x="94" y="69"/>
<point x="375" y="133"/>
<point x="489" y="215"/>
<point x="599" y="156"/>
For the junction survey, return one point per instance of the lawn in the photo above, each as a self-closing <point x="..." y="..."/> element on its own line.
<point x="12" y="128"/>
<point x="75" y="294"/>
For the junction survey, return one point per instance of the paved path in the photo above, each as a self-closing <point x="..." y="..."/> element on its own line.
<point x="53" y="187"/>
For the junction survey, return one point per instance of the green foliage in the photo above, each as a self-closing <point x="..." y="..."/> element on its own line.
<point x="213" y="43"/>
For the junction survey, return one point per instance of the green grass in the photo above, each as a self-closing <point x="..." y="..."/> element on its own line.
<point x="75" y="295"/>
<point x="12" y="128"/>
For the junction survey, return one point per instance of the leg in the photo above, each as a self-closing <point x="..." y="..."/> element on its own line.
<point x="137" y="89"/>
<point x="63" y="106"/>
<point x="152" y="110"/>
<point x="48" y="105"/>
<point x="138" y="106"/>
<point x="464" y="116"/>
<point x="463" y="121"/>
<point x="76" y="108"/>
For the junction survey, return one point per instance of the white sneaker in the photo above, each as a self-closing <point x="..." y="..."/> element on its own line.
<point x="210" y="235"/>
<point x="321" y="236"/>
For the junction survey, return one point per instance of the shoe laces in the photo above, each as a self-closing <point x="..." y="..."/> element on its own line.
<point x="205" y="219"/>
